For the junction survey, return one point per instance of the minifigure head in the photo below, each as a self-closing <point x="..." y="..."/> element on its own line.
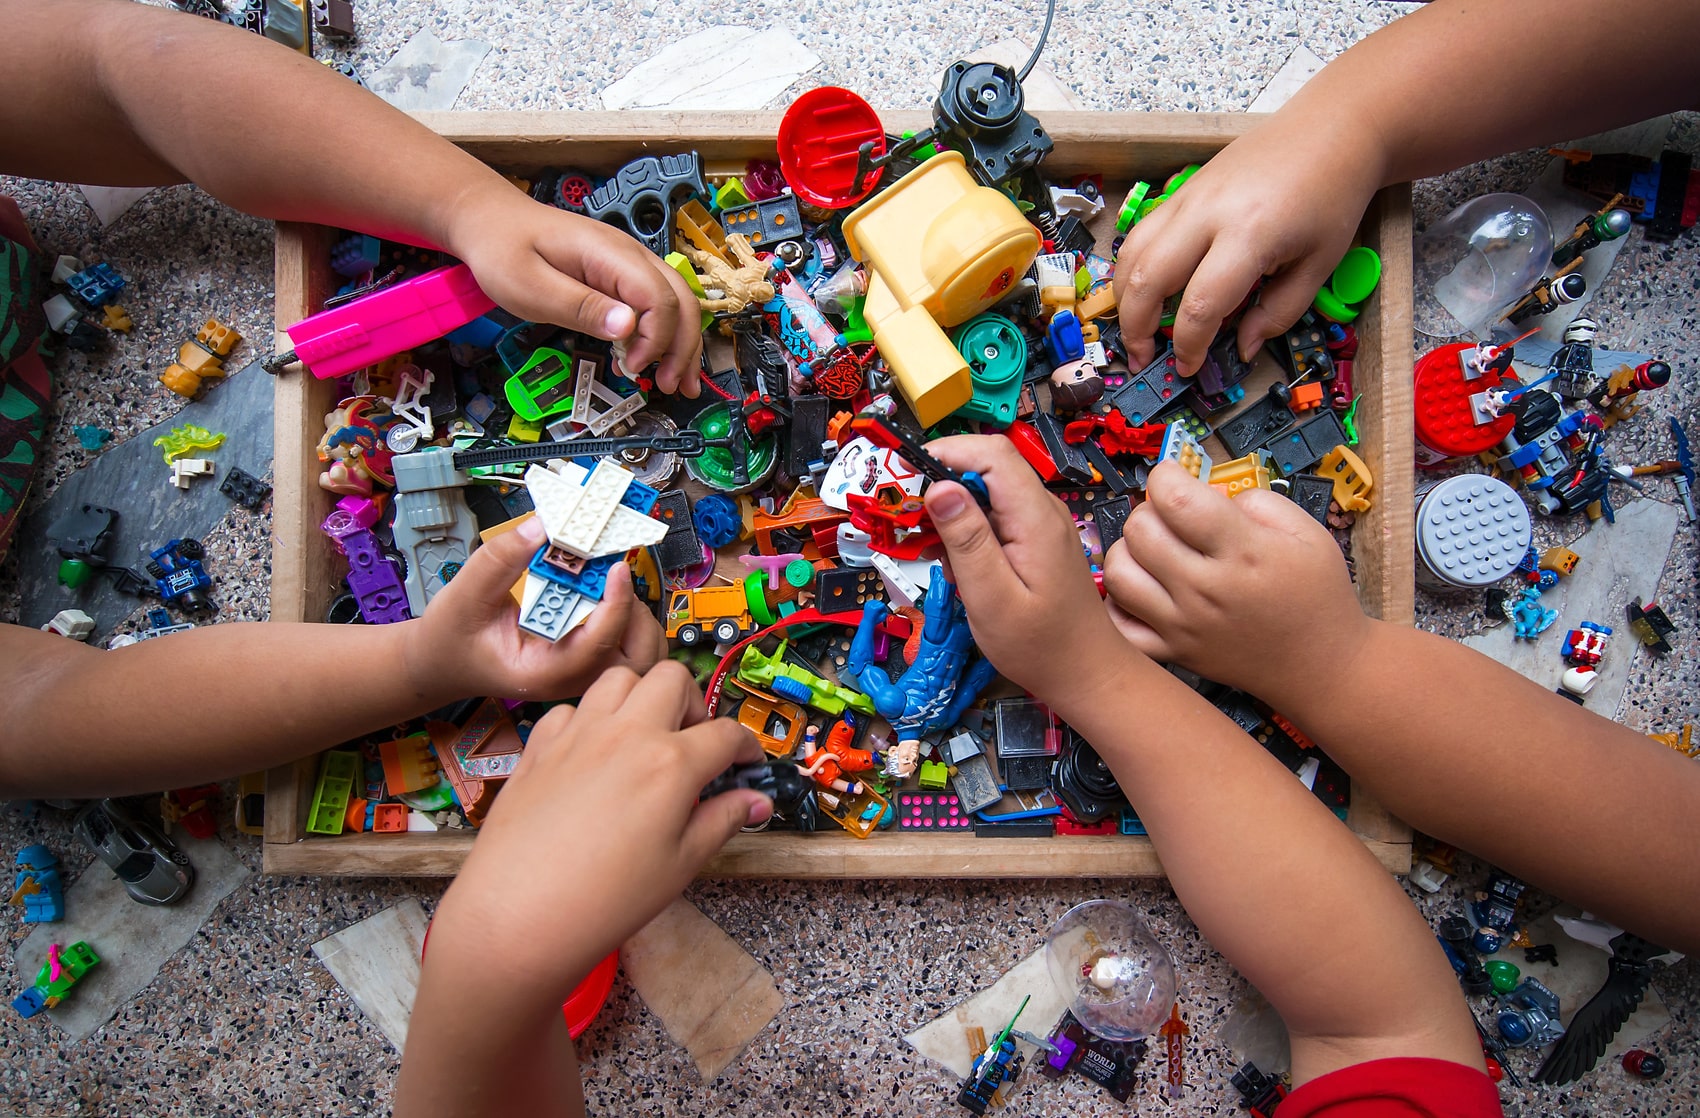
<point x="1076" y="386"/>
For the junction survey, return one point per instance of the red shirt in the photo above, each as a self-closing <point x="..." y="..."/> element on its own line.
<point x="1401" y="1087"/>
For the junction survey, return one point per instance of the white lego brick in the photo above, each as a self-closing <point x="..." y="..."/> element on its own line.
<point x="1096" y="355"/>
<point x="185" y="470"/>
<point x="60" y="312"/>
<point x="548" y="608"/>
<point x="906" y="579"/>
<point x="419" y="821"/>
<point x="595" y="405"/>
<point x="65" y="267"/>
<point x="589" y="517"/>
<point x="73" y="623"/>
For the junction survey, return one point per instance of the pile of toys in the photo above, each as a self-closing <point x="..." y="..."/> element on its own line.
<point x="777" y="518"/>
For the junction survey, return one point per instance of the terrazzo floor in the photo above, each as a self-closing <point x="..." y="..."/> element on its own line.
<point x="245" y="1021"/>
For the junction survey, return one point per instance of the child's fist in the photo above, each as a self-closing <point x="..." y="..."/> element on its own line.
<point x="1022" y="573"/>
<point x="1250" y="592"/>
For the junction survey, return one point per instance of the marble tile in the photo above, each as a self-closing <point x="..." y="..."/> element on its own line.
<point x="377" y="961"/>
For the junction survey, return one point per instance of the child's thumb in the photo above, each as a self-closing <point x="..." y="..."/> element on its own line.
<point x="491" y="572"/>
<point x="976" y="557"/>
<point x="715" y="821"/>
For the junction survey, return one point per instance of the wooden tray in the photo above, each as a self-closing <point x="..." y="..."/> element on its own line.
<point x="1122" y="147"/>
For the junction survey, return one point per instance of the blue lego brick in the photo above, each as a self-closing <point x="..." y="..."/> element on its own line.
<point x="1130" y="823"/>
<point x="97" y="285"/>
<point x="29" y="1003"/>
<point x="481" y="332"/>
<point x="356" y="255"/>
<point x="589" y="581"/>
<point x="1645" y="185"/>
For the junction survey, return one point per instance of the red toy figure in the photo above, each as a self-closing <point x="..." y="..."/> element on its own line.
<point x="1343" y="347"/>
<point x="1116" y="436"/>
<point x="895" y="520"/>
<point x="1174" y="1031"/>
<point x="192" y="809"/>
<point x="826" y="763"/>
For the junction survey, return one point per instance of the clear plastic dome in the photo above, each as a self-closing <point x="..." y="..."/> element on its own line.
<point x="1478" y="260"/>
<point x="1119" y="981"/>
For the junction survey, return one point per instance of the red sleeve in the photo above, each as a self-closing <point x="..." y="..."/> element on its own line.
<point x="1402" y="1087"/>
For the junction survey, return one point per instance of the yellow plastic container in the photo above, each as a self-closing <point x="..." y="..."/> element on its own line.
<point x="940" y="248"/>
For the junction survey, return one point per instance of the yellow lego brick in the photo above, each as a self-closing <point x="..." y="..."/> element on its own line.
<point x="1352" y="479"/>
<point x="1241" y="474"/>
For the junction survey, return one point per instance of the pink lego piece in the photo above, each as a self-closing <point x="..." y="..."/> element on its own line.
<point x="336" y="342"/>
<point x="771" y="565"/>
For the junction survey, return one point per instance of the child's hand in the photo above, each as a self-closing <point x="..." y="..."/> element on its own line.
<point x="598" y="828"/>
<point x="1022" y="574"/>
<point x="1250" y="592"/>
<point x="469" y="641"/>
<point x="1277" y="202"/>
<point x="549" y="265"/>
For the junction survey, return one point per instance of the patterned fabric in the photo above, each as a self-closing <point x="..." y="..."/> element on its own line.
<point x="26" y="386"/>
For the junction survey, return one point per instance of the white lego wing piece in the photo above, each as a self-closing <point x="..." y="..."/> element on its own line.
<point x="583" y="515"/>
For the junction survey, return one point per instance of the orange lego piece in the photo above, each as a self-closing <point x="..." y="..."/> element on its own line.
<point x="408" y="764"/>
<point x="1352" y="479"/>
<point x="389" y="819"/>
<point x="1305" y="397"/>
<point x="354" y="819"/>
<point x="1241" y="474"/>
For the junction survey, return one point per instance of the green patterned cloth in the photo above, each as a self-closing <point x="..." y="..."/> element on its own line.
<point x="26" y="386"/>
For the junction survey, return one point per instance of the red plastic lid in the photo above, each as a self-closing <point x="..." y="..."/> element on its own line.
<point x="1441" y="401"/>
<point x="587" y="1000"/>
<point x="818" y="141"/>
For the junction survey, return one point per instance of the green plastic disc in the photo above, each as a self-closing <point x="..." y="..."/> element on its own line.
<point x="996" y="352"/>
<point x="756" y="598"/>
<point x="800" y="573"/>
<point x="1356" y="276"/>
<point x="1129" y="212"/>
<point x="1329" y="306"/>
<point x="713" y="467"/>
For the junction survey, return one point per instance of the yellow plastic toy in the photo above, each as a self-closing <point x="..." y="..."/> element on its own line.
<point x="1352" y="479"/>
<point x="940" y="249"/>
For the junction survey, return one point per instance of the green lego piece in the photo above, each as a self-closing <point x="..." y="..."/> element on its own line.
<point x="680" y="263"/>
<point x="824" y="696"/>
<point x="856" y="328"/>
<point x="74" y="962"/>
<point x="731" y="196"/>
<point x="933" y="775"/>
<point x="74" y="573"/>
<point x="338" y="770"/>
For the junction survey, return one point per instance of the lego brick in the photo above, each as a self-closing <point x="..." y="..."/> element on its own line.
<point x="1110" y="517"/>
<point x="765" y="223"/>
<point x="1303" y="446"/>
<point x="805" y="433"/>
<point x="333" y="18"/>
<point x="680" y="547"/>
<point x="1143" y="394"/>
<point x="1312" y="493"/>
<point x="244" y="488"/>
<point x="931" y="813"/>
<point x="842" y="589"/>
<point x="1262" y="419"/>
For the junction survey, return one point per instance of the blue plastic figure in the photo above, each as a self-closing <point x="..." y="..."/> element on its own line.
<point x="92" y="438"/>
<point x="179" y="577"/>
<point x="37" y="886"/>
<point x="936" y="689"/>
<point x="1527" y="615"/>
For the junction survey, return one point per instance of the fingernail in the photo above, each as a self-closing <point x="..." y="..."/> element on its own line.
<point x="531" y="530"/>
<point x="618" y="322"/>
<point x="947" y="505"/>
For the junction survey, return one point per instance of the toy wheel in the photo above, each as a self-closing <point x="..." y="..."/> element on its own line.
<point x="690" y="636"/>
<point x="190" y="549"/>
<point x="154" y="569"/>
<point x="726" y="631"/>
<point x="571" y="192"/>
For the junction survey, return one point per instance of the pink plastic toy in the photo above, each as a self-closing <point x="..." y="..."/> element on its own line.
<point x="336" y="342"/>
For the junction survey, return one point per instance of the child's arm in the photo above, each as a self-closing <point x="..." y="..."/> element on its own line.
<point x="228" y="699"/>
<point x="1272" y="879"/>
<point x="1252" y="592"/>
<point x="125" y="94"/>
<point x="596" y="831"/>
<point x="1455" y="81"/>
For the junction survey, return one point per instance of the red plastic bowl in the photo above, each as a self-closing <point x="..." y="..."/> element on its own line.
<point x="818" y="141"/>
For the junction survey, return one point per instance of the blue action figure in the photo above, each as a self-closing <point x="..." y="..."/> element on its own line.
<point x="936" y="689"/>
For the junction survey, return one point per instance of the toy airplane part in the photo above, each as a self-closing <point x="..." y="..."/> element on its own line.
<point x="582" y="513"/>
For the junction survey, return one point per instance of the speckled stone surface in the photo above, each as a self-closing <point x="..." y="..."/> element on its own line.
<point x="245" y="1021"/>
